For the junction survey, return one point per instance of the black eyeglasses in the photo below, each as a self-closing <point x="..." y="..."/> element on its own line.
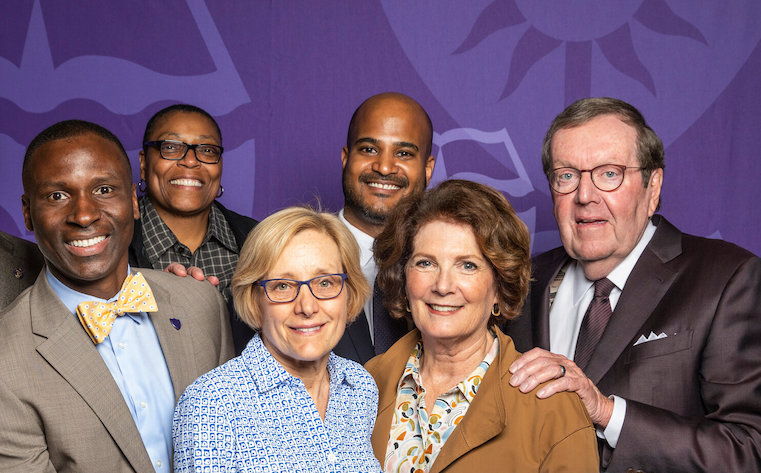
<point x="176" y="150"/>
<point x="606" y="177"/>
<point x="323" y="287"/>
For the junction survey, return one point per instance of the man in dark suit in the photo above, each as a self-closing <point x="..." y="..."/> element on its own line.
<point x="387" y="157"/>
<point x="663" y="327"/>
<point x="20" y="262"/>
<point x="94" y="355"/>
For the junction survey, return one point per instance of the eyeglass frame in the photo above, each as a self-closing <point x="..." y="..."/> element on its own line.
<point x="263" y="284"/>
<point x="622" y="167"/>
<point x="157" y="144"/>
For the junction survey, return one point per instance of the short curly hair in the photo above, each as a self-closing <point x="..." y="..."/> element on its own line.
<point x="265" y="244"/>
<point x="501" y="236"/>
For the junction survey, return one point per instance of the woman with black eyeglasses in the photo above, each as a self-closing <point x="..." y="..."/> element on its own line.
<point x="287" y="403"/>
<point x="180" y="218"/>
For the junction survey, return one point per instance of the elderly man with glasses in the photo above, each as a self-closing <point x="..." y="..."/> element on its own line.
<point x="656" y="330"/>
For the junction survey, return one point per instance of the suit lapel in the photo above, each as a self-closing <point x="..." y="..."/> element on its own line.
<point x="484" y="420"/>
<point x="72" y="354"/>
<point x="650" y="276"/>
<point x="358" y="333"/>
<point x="544" y="274"/>
<point x="387" y="379"/>
<point x="175" y="338"/>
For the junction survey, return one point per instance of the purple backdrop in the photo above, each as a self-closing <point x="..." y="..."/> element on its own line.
<point x="284" y="77"/>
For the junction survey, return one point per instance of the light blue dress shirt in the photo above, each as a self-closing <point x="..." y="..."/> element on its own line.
<point x="133" y="355"/>
<point x="250" y="415"/>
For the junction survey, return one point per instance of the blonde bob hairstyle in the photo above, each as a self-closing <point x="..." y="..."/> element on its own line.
<point x="264" y="246"/>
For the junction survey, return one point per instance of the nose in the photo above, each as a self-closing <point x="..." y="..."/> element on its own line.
<point x="586" y="192"/>
<point x="306" y="304"/>
<point x="444" y="284"/>
<point x="385" y="163"/>
<point x="84" y="212"/>
<point x="190" y="160"/>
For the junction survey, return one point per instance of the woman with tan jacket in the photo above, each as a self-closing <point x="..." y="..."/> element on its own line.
<point x="457" y="262"/>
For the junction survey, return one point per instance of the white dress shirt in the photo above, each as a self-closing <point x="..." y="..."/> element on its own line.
<point x="571" y="302"/>
<point x="367" y="262"/>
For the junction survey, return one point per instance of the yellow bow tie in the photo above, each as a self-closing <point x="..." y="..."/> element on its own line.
<point x="98" y="317"/>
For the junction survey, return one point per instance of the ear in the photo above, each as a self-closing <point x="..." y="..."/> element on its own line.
<point x="654" y="188"/>
<point x="135" y="207"/>
<point x="143" y="164"/>
<point x="27" y="213"/>
<point x="429" y="163"/>
<point x="344" y="157"/>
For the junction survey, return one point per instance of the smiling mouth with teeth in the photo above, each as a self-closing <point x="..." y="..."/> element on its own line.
<point x="185" y="182"/>
<point x="443" y="308"/>
<point x="88" y="242"/>
<point x="308" y="330"/>
<point x="388" y="187"/>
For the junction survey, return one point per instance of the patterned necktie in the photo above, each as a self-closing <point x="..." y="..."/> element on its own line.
<point x="594" y="323"/>
<point x="98" y="317"/>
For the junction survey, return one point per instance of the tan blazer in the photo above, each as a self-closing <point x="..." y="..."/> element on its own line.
<point x="61" y="409"/>
<point x="504" y="429"/>
<point x="20" y="263"/>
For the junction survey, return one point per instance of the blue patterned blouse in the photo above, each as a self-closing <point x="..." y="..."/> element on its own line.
<point x="251" y="415"/>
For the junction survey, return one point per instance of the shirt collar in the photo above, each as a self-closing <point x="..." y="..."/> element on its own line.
<point x="71" y="298"/>
<point x="364" y="240"/>
<point x="468" y="387"/>
<point x="269" y="374"/>
<point x="620" y="273"/>
<point x="162" y="238"/>
<point x="219" y="229"/>
<point x="157" y="237"/>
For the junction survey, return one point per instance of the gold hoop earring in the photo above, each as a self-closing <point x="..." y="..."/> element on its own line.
<point x="495" y="311"/>
<point x="408" y="306"/>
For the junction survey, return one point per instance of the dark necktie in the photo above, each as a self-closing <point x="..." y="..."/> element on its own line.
<point x="594" y="323"/>
<point x="385" y="331"/>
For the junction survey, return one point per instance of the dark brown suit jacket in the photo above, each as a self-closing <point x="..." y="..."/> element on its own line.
<point x="693" y="398"/>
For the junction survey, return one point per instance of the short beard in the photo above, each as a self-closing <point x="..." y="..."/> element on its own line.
<point x="353" y="200"/>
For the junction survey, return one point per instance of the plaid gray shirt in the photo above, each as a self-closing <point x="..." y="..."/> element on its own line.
<point x="217" y="255"/>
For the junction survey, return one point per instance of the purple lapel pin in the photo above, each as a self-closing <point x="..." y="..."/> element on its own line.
<point x="176" y="323"/>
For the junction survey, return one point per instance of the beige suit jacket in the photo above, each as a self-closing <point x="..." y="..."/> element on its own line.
<point x="60" y="407"/>
<point x="504" y="429"/>
<point x="20" y="263"/>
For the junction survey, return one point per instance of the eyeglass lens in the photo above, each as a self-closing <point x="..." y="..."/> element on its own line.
<point x="607" y="177"/>
<point x="322" y="287"/>
<point x="178" y="149"/>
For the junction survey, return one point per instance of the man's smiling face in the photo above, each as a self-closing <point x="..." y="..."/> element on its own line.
<point x="81" y="204"/>
<point x="387" y="159"/>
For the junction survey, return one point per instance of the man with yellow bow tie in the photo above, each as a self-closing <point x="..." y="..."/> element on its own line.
<point x="94" y="355"/>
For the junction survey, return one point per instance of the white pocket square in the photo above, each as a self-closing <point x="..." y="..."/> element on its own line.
<point x="650" y="338"/>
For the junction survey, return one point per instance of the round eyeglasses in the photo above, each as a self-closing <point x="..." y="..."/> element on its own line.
<point x="606" y="177"/>
<point x="323" y="287"/>
<point x="174" y="150"/>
